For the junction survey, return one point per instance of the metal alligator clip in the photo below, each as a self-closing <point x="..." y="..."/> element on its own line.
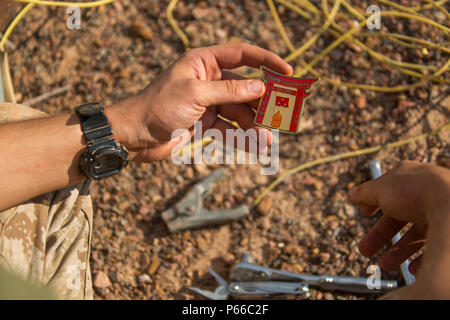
<point x="253" y="289"/>
<point x="189" y="213"/>
<point x="245" y="271"/>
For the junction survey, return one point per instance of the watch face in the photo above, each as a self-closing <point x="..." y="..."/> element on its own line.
<point x="107" y="162"/>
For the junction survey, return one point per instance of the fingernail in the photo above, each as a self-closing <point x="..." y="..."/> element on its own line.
<point x="255" y="86"/>
<point x="291" y="71"/>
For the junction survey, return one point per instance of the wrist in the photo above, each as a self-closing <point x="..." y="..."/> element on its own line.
<point x="122" y="127"/>
<point x="129" y="121"/>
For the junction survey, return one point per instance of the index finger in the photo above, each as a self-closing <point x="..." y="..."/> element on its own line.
<point x="230" y="56"/>
<point x="366" y="194"/>
<point x="380" y="234"/>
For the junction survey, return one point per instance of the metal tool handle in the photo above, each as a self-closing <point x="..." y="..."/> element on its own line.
<point x="191" y="203"/>
<point x="251" y="272"/>
<point x="268" y="288"/>
<point x="206" y="184"/>
<point x="355" y="284"/>
<point x="208" y="218"/>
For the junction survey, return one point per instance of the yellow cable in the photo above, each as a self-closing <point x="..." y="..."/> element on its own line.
<point x="352" y="10"/>
<point x="401" y="66"/>
<point x="397" y="6"/>
<point x="13" y="24"/>
<point x="299" y="11"/>
<point x="429" y="6"/>
<point x="412" y="9"/>
<point x="382" y="58"/>
<point x="437" y="5"/>
<point x="398" y="65"/>
<point x="31" y="3"/>
<point x="308" y="6"/>
<point x="174" y="24"/>
<point x="347" y="34"/>
<point x="313" y="39"/>
<point x="382" y="89"/>
<point x="416" y="17"/>
<point x="378" y="56"/>
<point x="89" y="4"/>
<point x="280" y="26"/>
<point x="423" y="43"/>
<point x="372" y="87"/>
<point x="328" y="49"/>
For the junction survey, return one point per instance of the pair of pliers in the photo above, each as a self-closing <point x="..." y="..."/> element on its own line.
<point x="252" y="289"/>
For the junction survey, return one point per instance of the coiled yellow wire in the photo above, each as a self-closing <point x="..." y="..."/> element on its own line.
<point x="32" y="3"/>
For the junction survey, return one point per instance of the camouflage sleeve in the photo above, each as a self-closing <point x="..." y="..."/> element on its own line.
<point x="47" y="239"/>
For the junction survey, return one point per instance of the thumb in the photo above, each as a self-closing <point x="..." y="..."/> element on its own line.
<point x="210" y="93"/>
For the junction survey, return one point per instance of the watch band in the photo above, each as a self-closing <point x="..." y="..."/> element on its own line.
<point x="104" y="156"/>
<point x="95" y="125"/>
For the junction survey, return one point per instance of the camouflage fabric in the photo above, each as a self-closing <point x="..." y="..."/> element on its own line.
<point x="47" y="239"/>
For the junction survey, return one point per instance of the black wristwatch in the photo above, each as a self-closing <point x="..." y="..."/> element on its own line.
<point x="104" y="157"/>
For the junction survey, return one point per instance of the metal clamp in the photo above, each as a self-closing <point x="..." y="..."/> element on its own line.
<point x="189" y="212"/>
<point x="245" y="271"/>
<point x="252" y="289"/>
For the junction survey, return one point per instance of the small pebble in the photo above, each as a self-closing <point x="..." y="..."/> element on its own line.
<point x="101" y="280"/>
<point x="263" y="207"/>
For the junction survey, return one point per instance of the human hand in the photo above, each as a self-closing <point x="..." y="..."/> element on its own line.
<point x="194" y="88"/>
<point x="411" y="192"/>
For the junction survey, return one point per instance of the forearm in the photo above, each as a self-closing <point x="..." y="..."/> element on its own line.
<point x="39" y="156"/>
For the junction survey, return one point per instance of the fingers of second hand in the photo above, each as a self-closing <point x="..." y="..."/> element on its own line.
<point x="380" y="234"/>
<point x="415" y="264"/>
<point x="369" y="210"/>
<point x="411" y="242"/>
<point x="365" y="194"/>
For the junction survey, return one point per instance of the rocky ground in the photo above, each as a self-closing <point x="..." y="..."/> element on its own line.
<point x="306" y="224"/>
